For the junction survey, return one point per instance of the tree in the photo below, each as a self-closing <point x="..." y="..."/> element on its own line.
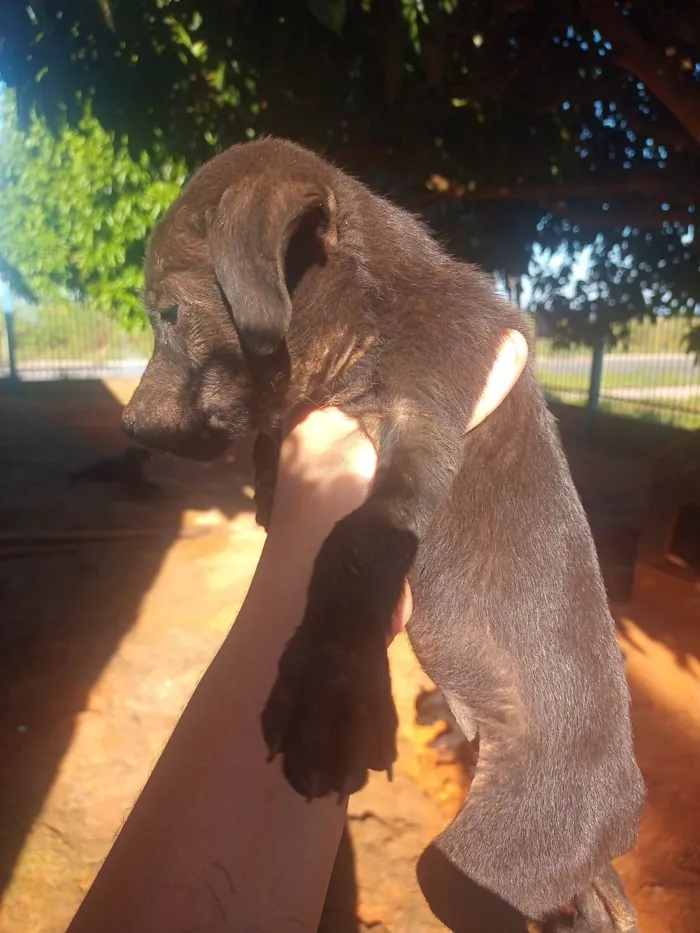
<point x="506" y="122"/>
<point x="75" y="210"/>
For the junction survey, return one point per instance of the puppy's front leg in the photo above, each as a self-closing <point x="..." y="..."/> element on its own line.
<point x="331" y="714"/>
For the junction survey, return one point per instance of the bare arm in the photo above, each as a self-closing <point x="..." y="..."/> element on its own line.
<point x="218" y="840"/>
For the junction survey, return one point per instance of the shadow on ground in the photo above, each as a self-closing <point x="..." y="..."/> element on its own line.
<point x="77" y="557"/>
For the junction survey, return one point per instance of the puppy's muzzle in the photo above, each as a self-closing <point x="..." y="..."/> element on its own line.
<point x="129" y="425"/>
<point x="173" y="429"/>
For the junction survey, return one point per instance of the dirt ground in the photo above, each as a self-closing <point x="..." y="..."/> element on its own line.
<point x="114" y="598"/>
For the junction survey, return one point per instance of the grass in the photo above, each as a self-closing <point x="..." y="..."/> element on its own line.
<point x="636" y="378"/>
<point x="658" y="412"/>
<point x="664" y="335"/>
<point x="674" y="417"/>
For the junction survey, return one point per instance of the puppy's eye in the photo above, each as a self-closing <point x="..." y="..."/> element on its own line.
<point x="169" y="315"/>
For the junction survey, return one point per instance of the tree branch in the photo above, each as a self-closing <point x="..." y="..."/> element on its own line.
<point x="575" y="202"/>
<point x="618" y="219"/>
<point x="633" y="54"/>
<point x="664" y="189"/>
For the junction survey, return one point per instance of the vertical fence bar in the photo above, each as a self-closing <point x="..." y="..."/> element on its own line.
<point x="596" y="375"/>
<point x="14" y="379"/>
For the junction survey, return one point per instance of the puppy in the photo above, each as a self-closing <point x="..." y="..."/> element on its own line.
<point x="277" y="282"/>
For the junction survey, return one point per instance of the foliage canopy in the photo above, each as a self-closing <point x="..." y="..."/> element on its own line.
<point x="75" y="210"/>
<point x="506" y="122"/>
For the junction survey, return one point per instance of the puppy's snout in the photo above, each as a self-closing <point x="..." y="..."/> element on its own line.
<point x="128" y="425"/>
<point x="150" y="427"/>
<point x="142" y="422"/>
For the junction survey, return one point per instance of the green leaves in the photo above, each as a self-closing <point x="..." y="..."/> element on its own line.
<point x="76" y="210"/>
<point x="330" y="13"/>
<point x="520" y="107"/>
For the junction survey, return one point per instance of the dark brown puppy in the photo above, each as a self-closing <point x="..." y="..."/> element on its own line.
<point x="276" y="281"/>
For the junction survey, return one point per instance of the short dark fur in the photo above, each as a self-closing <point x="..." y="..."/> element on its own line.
<point x="293" y="286"/>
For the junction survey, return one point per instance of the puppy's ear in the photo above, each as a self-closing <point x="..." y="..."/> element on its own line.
<point x="249" y="239"/>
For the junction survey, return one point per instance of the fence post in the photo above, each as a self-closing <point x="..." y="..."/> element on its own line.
<point x="10" y="330"/>
<point x="596" y="377"/>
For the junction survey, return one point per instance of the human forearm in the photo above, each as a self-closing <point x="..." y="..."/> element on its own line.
<point x="218" y="840"/>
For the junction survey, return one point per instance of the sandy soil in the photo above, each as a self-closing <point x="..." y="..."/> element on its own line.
<point x="104" y="640"/>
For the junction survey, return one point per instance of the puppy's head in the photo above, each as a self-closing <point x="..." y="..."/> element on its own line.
<point x="220" y="271"/>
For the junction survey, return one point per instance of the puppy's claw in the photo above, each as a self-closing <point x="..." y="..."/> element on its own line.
<point x="390" y="773"/>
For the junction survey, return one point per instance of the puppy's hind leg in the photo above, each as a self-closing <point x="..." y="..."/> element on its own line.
<point x="461" y="904"/>
<point x="537" y="834"/>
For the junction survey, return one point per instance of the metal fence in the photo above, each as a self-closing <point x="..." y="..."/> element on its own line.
<point x="652" y="376"/>
<point x="67" y="341"/>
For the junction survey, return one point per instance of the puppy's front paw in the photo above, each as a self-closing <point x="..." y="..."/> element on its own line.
<point x="331" y="714"/>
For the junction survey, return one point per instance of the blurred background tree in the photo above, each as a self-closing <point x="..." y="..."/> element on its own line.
<point x="519" y="128"/>
<point x="75" y="210"/>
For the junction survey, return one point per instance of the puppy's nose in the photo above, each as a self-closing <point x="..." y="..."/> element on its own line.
<point x="128" y="425"/>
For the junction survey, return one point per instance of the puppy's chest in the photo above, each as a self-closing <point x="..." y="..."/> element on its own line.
<point x="342" y="372"/>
